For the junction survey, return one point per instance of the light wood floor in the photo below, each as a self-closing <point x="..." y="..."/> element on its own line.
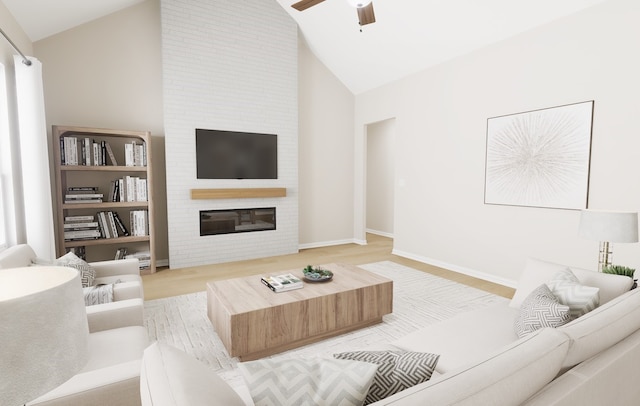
<point x="172" y="282"/>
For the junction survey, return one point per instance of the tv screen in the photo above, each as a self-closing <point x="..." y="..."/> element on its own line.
<point x="236" y="155"/>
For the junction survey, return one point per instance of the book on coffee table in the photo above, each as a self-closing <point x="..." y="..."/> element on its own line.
<point x="282" y="283"/>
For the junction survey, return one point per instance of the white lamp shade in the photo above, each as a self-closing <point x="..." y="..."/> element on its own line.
<point x="359" y="3"/>
<point x="609" y="226"/>
<point x="43" y="331"/>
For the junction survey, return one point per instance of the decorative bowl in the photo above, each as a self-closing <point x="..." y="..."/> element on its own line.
<point x="312" y="274"/>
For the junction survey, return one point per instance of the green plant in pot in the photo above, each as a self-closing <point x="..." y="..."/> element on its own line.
<point x="621" y="270"/>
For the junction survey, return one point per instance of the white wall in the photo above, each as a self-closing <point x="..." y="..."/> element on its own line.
<point x="107" y="73"/>
<point x="441" y="129"/>
<point x="228" y="66"/>
<point x="381" y="169"/>
<point x="326" y="154"/>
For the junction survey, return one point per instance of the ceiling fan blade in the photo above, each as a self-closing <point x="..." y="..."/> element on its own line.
<point x="366" y="14"/>
<point x="305" y="4"/>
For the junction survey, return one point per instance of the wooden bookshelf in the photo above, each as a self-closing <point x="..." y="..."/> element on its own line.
<point x="81" y="174"/>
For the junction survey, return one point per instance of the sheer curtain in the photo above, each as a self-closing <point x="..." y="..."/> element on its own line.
<point x="34" y="153"/>
<point x="6" y="192"/>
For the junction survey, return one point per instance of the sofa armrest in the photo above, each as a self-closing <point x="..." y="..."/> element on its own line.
<point x="114" y="385"/>
<point x="112" y="315"/>
<point x="116" y="267"/>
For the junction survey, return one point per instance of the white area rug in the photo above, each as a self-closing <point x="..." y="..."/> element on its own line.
<point x="420" y="299"/>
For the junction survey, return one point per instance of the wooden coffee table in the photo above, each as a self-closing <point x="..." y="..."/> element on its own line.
<point x="253" y="322"/>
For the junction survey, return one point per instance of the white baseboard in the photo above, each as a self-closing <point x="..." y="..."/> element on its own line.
<point x="460" y="269"/>
<point x="380" y="233"/>
<point x="331" y="243"/>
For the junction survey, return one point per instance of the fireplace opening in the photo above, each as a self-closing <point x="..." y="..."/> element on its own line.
<point x="237" y="220"/>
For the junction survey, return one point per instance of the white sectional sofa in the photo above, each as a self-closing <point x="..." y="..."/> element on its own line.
<point x="483" y="362"/>
<point x="592" y="360"/>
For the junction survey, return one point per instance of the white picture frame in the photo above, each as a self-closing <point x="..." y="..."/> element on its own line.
<point x="540" y="158"/>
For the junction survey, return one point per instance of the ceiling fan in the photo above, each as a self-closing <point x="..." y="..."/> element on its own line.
<point x="364" y="7"/>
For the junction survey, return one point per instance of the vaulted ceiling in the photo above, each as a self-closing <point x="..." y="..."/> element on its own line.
<point x="407" y="37"/>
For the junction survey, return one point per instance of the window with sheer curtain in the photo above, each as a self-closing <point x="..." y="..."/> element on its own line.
<point x="5" y="159"/>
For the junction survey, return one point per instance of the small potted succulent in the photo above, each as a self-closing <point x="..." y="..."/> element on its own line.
<point x="621" y="270"/>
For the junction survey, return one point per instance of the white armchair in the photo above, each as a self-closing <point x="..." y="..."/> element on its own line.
<point x="128" y="295"/>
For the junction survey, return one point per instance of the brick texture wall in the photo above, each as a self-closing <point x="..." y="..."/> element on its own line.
<point x="228" y="65"/>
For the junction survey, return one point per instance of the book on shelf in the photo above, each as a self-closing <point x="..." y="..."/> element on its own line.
<point x="70" y="219"/>
<point x="135" y="154"/>
<point x="80" y="225"/>
<point x="139" y="222"/>
<point x="282" y="283"/>
<point x="121" y="253"/>
<point x="110" y="153"/>
<point x="81" y="234"/>
<point x="83" y="189"/>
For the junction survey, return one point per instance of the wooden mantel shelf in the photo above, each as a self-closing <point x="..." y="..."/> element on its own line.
<point x="242" y="193"/>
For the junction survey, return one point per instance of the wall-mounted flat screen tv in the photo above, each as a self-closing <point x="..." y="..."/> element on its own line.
<point x="236" y="155"/>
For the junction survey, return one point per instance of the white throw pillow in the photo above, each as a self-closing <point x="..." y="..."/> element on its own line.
<point x="567" y="288"/>
<point x="537" y="272"/>
<point x="540" y="309"/>
<point x="318" y="382"/>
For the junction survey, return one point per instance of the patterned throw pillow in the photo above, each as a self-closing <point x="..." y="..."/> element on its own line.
<point x="397" y="370"/>
<point x="307" y="382"/>
<point x="567" y="288"/>
<point x="87" y="273"/>
<point x="540" y="309"/>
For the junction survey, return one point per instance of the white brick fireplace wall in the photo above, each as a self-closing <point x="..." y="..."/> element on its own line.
<point x="228" y="65"/>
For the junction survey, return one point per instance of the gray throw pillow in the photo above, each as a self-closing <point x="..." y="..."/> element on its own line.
<point x="397" y="370"/>
<point x="87" y="273"/>
<point x="540" y="309"/>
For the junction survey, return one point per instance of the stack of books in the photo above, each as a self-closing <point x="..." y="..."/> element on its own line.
<point x="144" y="259"/>
<point x="82" y="194"/>
<point x="139" y="221"/>
<point x="81" y="228"/>
<point x="282" y="283"/>
<point x="86" y="152"/>
<point x="129" y="189"/>
<point x="135" y="154"/>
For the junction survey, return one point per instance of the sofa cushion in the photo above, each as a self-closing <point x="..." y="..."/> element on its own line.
<point x="397" y="370"/>
<point x="594" y="380"/>
<point x="507" y="376"/>
<point x="603" y="327"/>
<point x="87" y="273"/>
<point x="540" y="309"/>
<point x="465" y="337"/>
<point x="537" y="272"/>
<point x="308" y="381"/>
<point x="169" y="377"/>
<point x="581" y="299"/>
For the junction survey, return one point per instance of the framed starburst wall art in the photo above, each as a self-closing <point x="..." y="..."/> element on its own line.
<point x="540" y="158"/>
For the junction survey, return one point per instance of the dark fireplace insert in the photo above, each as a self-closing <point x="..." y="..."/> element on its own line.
<point x="237" y="220"/>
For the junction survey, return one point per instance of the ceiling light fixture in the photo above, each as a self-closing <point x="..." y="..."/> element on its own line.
<point x="359" y="3"/>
